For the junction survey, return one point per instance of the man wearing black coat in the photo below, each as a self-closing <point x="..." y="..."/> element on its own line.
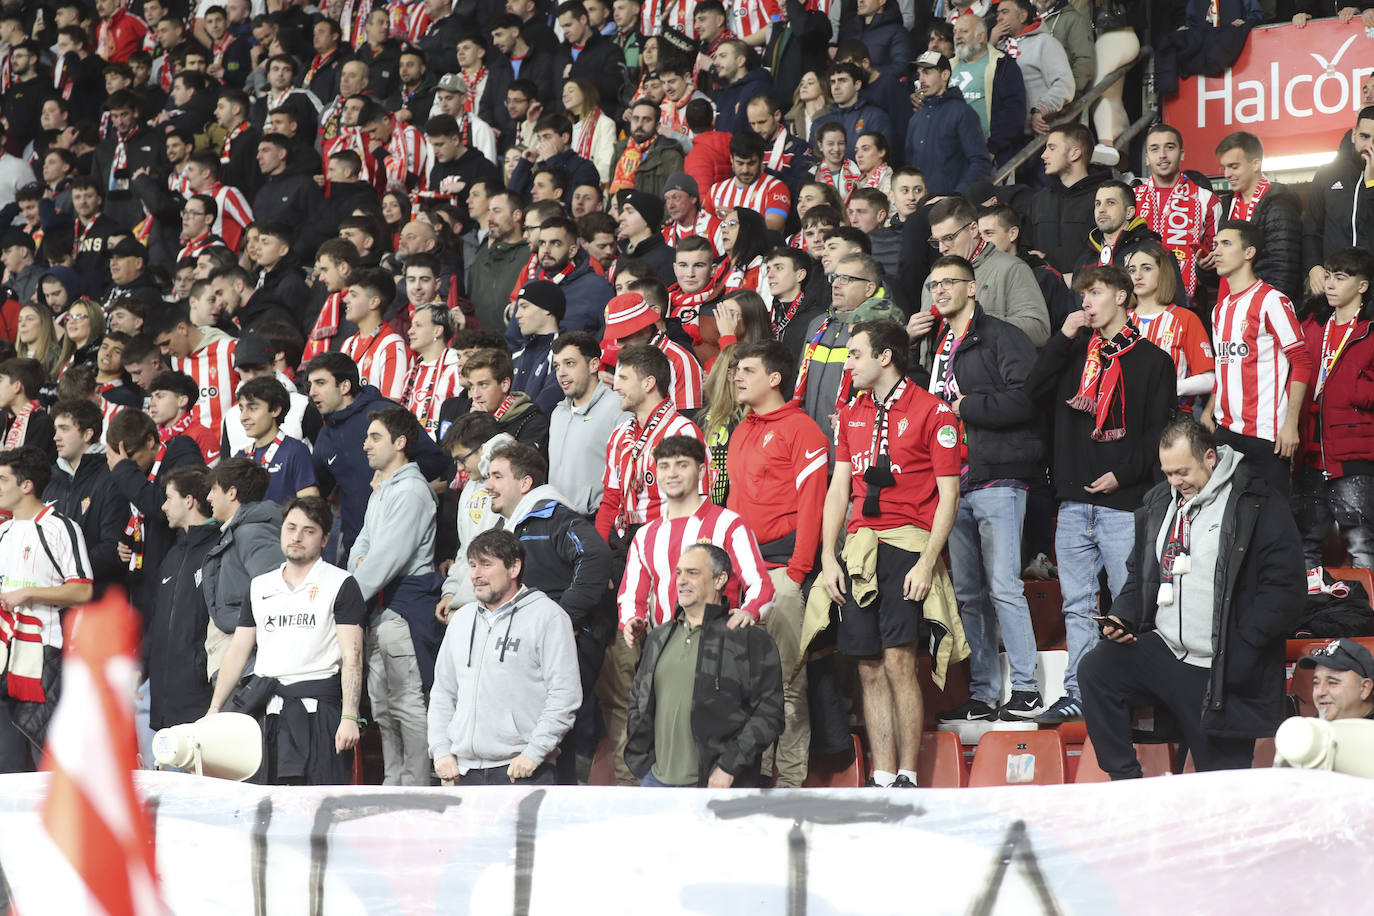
<point x="1061" y="213"/>
<point x="1274" y="208"/>
<point x="1214" y="583"/>
<point x="142" y="150"/>
<point x="1340" y="202"/>
<point x="509" y="43"/>
<point x="584" y="54"/>
<point x="80" y="488"/>
<point x="286" y="195"/>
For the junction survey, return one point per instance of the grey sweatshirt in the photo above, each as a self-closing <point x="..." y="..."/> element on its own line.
<point x="474" y="517"/>
<point x="1006" y="290"/>
<point x="397" y="538"/>
<point x="577" y="447"/>
<point x="506" y="683"/>
<point x="1186" y="625"/>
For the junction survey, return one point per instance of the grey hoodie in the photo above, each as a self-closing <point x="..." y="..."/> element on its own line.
<point x="474" y="517"/>
<point x="1186" y="625"/>
<point x="397" y="538"/>
<point x="531" y="499"/>
<point x="1006" y="290"/>
<point x="577" y="447"/>
<point x="506" y="683"/>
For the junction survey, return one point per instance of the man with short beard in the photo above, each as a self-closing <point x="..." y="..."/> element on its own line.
<point x="582" y="422"/>
<point x="644" y="160"/>
<point x="992" y="85"/>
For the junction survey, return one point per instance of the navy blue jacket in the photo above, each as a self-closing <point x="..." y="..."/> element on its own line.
<point x="859" y="118"/>
<point x="579" y="171"/>
<point x="732" y="102"/>
<point x="586" y="293"/>
<point x="945" y="140"/>
<point x="340" y="461"/>
<point x="887" y="40"/>
<point x="534" y="373"/>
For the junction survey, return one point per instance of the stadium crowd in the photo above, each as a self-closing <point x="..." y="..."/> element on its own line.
<point x="513" y="375"/>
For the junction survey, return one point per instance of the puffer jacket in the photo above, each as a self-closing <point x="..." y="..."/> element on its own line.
<point x="174" y="645"/>
<point x="945" y="140"/>
<point x="586" y="293"/>
<point x="1061" y="218"/>
<point x="248" y="546"/>
<point x="737" y="708"/>
<point x="1279" y="218"/>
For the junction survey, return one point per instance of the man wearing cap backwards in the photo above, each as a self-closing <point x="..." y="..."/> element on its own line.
<point x="22" y="274"/>
<point x="641" y="215"/>
<point x="944" y="139"/>
<point x="450" y="98"/>
<point x="1213" y="657"/>
<point x="539" y="307"/>
<point x="682" y="203"/>
<point x="1342" y="680"/>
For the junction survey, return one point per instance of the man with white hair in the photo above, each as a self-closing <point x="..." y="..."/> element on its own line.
<point x="992" y="85"/>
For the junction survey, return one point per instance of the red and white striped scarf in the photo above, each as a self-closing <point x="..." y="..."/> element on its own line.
<point x="842" y="179"/>
<point x="326" y="327"/>
<point x="1242" y="209"/>
<point x="21" y="655"/>
<point x="1182" y="207"/>
<point x="584" y="131"/>
<point x="14" y="438"/>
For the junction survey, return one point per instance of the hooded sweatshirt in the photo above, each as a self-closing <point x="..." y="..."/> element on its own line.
<point x="393" y="550"/>
<point x="475" y="515"/>
<point x="506" y="683"/>
<point x="582" y="434"/>
<point x="1186" y="624"/>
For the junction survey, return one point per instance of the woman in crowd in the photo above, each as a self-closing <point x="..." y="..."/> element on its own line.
<point x="84" y="329"/>
<point x="746" y="239"/>
<point x="811" y="100"/>
<point x="593" y="134"/>
<point x="396" y="212"/>
<point x="832" y="168"/>
<point x="1167" y="325"/>
<point x="38" y="338"/>
<point x="870" y="155"/>
<point x="741" y="317"/>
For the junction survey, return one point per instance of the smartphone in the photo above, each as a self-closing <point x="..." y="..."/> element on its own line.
<point x="1109" y="622"/>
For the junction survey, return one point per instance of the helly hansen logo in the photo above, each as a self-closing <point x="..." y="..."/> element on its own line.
<point x="508" y="644"/>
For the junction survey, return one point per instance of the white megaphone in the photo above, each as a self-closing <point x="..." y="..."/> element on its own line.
<point x="226" y="745"/>
<point x="1343" y="746"/>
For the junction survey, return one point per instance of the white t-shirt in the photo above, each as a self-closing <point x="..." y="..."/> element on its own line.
<point x="297" y="639"/>
<point x="46" y="551"/>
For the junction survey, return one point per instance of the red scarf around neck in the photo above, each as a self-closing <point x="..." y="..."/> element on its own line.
<point x="1100" y="390"/>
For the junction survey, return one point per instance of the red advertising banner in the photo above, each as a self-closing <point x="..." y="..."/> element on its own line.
<point x="1298" y="90"/>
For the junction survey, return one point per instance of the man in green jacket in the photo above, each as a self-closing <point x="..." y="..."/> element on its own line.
<point x="499" y="259"/>
<point x="644" y="160"/>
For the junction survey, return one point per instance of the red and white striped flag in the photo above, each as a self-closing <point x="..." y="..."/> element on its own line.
<point x="94" y="818"/>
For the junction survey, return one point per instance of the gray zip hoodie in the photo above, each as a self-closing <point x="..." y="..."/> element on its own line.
<point x="506" y="683"/>
<point x="1186" y="625"/>
<point x="397" y="538"/>
<point x="577" y="447"/>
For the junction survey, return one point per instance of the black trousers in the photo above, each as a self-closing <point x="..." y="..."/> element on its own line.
<point x="24" y="725"/>
<point x="1114" y="678"/>
<point x="1260" y="458"/>
<point x="544" y="775"/>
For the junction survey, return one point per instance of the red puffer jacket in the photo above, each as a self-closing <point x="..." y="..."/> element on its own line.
<point x="1347" y="400"/>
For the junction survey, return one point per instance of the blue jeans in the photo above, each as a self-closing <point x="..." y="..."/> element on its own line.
<point x="1089" y="539"/>
<point x="650" y="781"/>
<point x="985" y="561"/>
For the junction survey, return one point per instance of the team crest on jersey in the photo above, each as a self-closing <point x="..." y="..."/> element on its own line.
<point x="85" y="504"/>
<point x="314" y="590"/>
<point x="901" y="427"/>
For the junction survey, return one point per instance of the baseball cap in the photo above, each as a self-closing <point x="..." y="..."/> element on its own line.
<point x="16" y="238"/>
<point x="453" y="82"/>
<point x="129" y="248"/>
<point x="253" y="351"/>
<point x="1341" y="655"/>
<point x="933" y="59"/>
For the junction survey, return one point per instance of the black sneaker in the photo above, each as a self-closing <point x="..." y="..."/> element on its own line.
<point x="902" y="782"/>
<point x="971" y="710"/>
<point x="871" y="783"/>
<point x="1023" y="706"/>
<point x="1065" y="709"/>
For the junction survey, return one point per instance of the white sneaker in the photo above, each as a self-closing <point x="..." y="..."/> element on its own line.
<point x="1104" y="154"/>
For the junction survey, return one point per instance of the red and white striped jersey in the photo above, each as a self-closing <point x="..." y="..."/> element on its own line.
<point x="630" y="481"/>
<point x="686" y="371"/>
<point x="46" y="551"/>
<point x="654" y="552"/>
<point x="408" y="153"/>
<point x="655" y="14"/>
<point x="194" y="247"/>
<point x="212" y="368"/>
<point x="233" y="216"/>
<point x="767" y="195"/>
<point x="749" y="16"/>
<point x="409" y="21"/>
<point x="1255" y="335"/>
<point x="428" y="385"/>
<point x="1178" y="332"/>
<point x="707" y="225"/>
<point x="383" y="360"/>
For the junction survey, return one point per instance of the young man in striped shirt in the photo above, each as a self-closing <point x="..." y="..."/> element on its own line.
<point x="381" y="354"/>
<point x="777" y="460"/>
<point x="43" y="570"/>
<point x="433" y="376"/>
<point x="749" y="187"/>
<point x="205" y="354"/>
<point x="1262" y="363"/>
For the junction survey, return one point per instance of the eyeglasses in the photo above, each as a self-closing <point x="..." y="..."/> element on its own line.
<point x="845" y="279"/>
<point x="461" y="459"/>
<point x="194" y="213"/>
<point x="946" y="283"/>
<point x="949" y="239"/>
<point x="729" y="224"/>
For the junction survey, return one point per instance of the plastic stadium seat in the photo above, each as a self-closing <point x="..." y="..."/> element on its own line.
<point x="1297" y="648"/>
<point x="603" y="765"/>
<point x="1155" y="760"/>
<point x="1018" y="758"/>
<point x="850" y="776"/>
<point x="1047" y="612"/>
<point x="940" y="764"/>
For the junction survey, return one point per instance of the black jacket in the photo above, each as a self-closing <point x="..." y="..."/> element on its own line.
<point x="1059" y="299"/>
<point x="1337" y="200"/>
<point x="601" y="62"/>
<point x="1061" y="218"/>
<point x="87" y="498"/>
<point x="261" y="309"/>
<point x="537" y="67"/>
<point x="737" y="708"/>
<point x="1001" y="422"/>
<point x="241" y="171"/>
<point x="815" y="303"/>
<point x="292" y="198"/>
<point x="174" y="646"/>
<point x="1279" y="218"/>
<point x="1150" y="380"/>
<point x="345" y="197"/>
<point x="567" y="560"/>
<point x="148" y="496"/>
<point x="1258" y="597"/>
<point x="285" y="285"/>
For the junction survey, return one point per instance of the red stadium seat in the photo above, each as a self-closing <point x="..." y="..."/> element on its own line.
<point x="823" y="773"/>
<point x="1018" y="758"/>
<point x="1047" y="612"/>
<point x="1155" y="760"/>
<point x="940" y="764"/>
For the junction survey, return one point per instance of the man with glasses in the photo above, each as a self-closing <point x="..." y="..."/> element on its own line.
<point x="1006" y="286"/>
<point x="822" y="381"/>
<point x="981" y="365"/>
<point x="197" y="219"/>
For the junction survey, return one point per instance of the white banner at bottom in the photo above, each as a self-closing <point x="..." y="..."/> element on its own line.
<point x="1218" y="843"/>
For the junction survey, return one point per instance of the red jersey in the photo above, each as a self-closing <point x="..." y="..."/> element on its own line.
<point x="212" y="368"/>
<point x="383" y="360"/>
<point x="686" y="372"/>
<point x="706" y="225"/>
<point x="119" y="36"/>
<point x="1179" y="332"/>
<point x="428" y="385"/>
<point x="777" y="470"/>
<point x="233" y="216"/>
<point x="922" y="443"/>
<point x="650" y="567"/>
<point x="205" y="439"/>
<point x="1259" y="349"/>
<point x="767" y="195"/>
<point x="629" y="482"/>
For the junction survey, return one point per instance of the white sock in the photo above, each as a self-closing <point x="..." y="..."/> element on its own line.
<point x="883" y="778"/>
<point x="909" y="774"/>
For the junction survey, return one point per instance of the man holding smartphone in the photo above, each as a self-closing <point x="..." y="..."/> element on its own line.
<point x="1213" y="658"/>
